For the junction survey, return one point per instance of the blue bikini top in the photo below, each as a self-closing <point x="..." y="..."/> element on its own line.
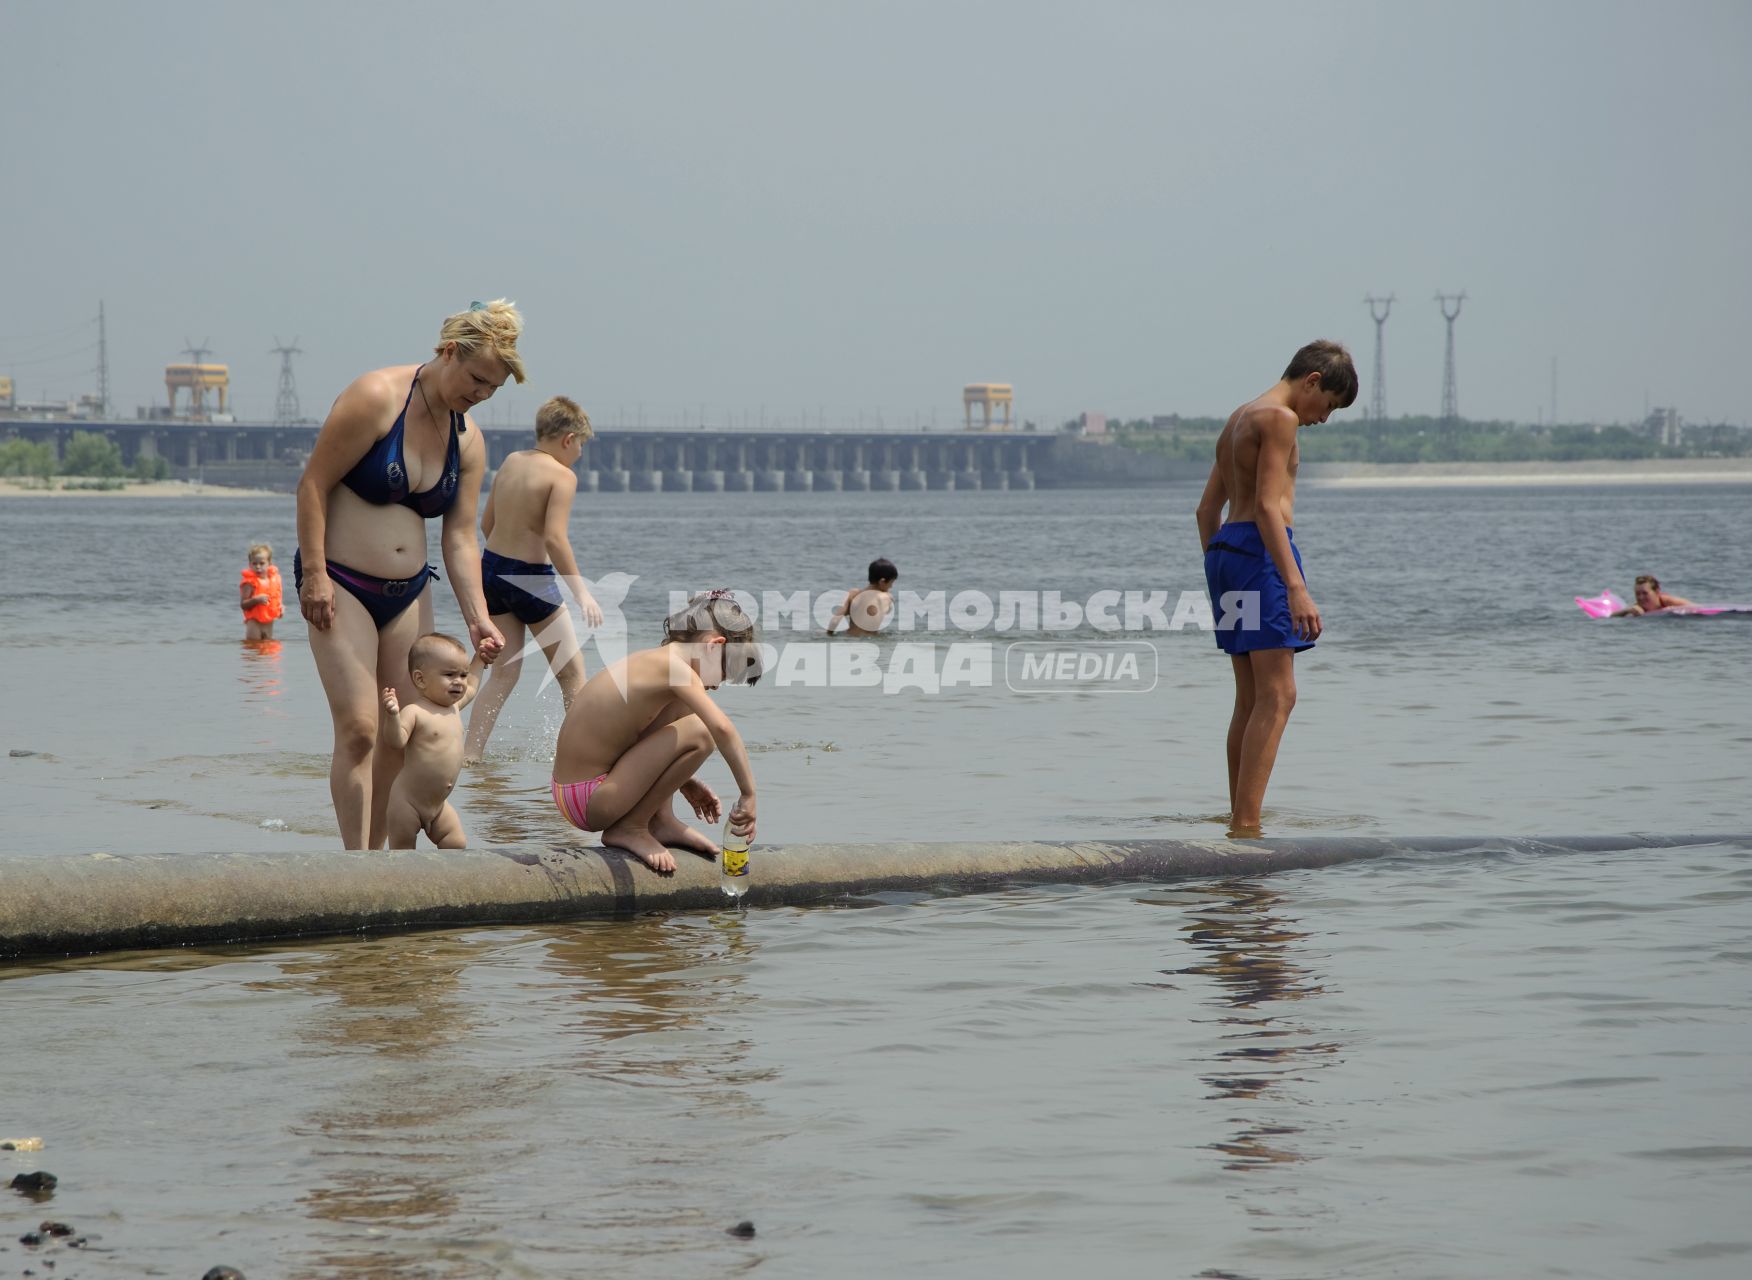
<point x="381" y="476"/>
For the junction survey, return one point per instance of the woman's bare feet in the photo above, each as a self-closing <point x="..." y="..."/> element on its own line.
<point x="642" y="844"/>
<point x="675" y="833"/>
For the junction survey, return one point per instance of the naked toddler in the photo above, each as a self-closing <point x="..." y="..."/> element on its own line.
<point x="429" y="731"/>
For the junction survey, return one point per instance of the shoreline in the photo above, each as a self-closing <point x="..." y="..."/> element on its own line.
<point x="1625" y="471"/>
<point x="12" y="487"/>
<point x="1327" y="475"/>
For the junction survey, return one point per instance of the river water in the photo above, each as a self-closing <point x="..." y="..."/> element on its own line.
<point x="1471" y="1066"/>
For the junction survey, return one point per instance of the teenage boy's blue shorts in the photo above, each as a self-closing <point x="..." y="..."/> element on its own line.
<point x="1236" y="560"/>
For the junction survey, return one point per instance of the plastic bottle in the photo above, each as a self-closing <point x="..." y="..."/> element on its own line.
<point x="733" y="864"/>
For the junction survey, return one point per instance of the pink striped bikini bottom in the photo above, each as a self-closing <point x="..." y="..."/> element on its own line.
<point x="573" y="798"/>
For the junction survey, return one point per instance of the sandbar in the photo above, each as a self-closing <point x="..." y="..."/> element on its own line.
<point x="12" y="487"/>
<point x="1630" y="471"/>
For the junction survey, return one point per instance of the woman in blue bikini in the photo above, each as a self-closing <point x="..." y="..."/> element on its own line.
<point x="398" y="448"/>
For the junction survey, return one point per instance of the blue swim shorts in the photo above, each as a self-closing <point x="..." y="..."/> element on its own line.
<point x="1237" y="562"/>
<point x="510" y="587"/>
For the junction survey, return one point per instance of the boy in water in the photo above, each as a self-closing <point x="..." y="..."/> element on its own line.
<point x="865" y="610"/>
<point x="642" y="728"/>
<point x="527" y="540"/>
<point x="1252" y="567"/>
<point x="429" y="731"/>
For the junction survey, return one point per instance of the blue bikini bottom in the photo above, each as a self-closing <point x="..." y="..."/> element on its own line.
<point x="383" y="598"/>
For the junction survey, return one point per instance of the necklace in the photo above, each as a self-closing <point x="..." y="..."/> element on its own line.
<point x="430" y="411"/>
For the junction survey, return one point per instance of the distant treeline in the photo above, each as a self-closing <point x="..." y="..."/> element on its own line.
<point x="87" y="454"/>
<point x="1428" y="440"/>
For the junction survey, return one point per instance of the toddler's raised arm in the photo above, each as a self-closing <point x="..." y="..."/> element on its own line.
<point x="392" y="721"/>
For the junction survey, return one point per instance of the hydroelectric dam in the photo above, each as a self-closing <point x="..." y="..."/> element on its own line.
<point x="271" y="456"/>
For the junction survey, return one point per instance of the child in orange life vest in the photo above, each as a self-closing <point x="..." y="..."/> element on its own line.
<point x="259" y="592"/>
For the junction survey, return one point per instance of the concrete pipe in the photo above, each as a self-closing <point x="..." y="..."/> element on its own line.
<point x="55" y="904"/>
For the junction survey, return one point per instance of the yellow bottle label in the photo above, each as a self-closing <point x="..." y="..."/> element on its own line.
<point x="735" y="862"/>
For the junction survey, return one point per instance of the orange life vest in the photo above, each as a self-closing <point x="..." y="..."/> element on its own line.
<point x="264" y="584"/>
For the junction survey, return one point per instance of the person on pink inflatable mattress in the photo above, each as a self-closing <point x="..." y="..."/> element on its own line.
<point x="1651" y="599"/>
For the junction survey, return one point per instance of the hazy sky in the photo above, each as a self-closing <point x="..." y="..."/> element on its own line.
<point x="1134" y="207"/>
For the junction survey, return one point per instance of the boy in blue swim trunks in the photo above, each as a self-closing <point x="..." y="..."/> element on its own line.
<point x="1259" y="595"/>
<point x="527" y="541"/>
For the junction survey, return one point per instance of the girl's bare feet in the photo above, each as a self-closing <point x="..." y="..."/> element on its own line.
<point x="675" y="833"/>
<point x="642" y="844"/>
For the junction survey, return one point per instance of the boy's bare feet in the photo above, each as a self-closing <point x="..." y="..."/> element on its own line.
<point x="675" y="833"/>
<point x="643" y="845"/>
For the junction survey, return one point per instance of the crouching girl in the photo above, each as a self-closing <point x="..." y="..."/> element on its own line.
<point x="640" y="729"/>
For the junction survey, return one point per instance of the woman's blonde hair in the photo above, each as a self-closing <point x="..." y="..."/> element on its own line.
<point x="262" y="547"/>
<point x="492" y="327"/>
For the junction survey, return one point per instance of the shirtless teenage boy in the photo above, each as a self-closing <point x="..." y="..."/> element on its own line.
<point x="428" y="731"/>
<point x="1252" y="567"/>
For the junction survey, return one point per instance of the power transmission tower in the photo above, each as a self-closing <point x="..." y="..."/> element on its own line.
<point x="1378" y="401"/>
<point x="102" y="364"/>
<point x="1450" y="398"/>
<point x="286" y="402"/>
